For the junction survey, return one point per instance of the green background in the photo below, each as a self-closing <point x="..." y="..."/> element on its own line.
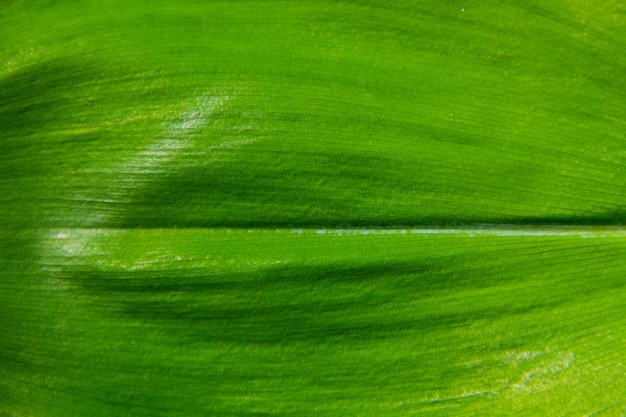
<point x="208" y="208"/>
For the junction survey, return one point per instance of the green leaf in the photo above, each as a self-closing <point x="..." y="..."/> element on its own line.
<point x="312" y="208"/>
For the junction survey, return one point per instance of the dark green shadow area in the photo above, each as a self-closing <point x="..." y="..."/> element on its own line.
<point x="329" y="303"/>
<point x="327" y="189"/>
<point x="257" y="316"/>
<point x="55" y="95"/>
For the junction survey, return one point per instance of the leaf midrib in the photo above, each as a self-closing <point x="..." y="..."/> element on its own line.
<point x="482" y="229"/>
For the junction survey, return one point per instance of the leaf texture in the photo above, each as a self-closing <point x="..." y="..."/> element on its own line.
<point x="312" y="208"/>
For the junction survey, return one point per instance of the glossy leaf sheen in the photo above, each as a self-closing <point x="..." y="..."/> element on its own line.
<point x="312" y="208"/>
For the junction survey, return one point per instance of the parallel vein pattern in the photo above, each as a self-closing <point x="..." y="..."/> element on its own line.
<point x="312" y="208"/>
<point x="179" y="322"/>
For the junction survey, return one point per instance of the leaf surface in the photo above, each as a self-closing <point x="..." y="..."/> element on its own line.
<point x="312" y="208"/>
